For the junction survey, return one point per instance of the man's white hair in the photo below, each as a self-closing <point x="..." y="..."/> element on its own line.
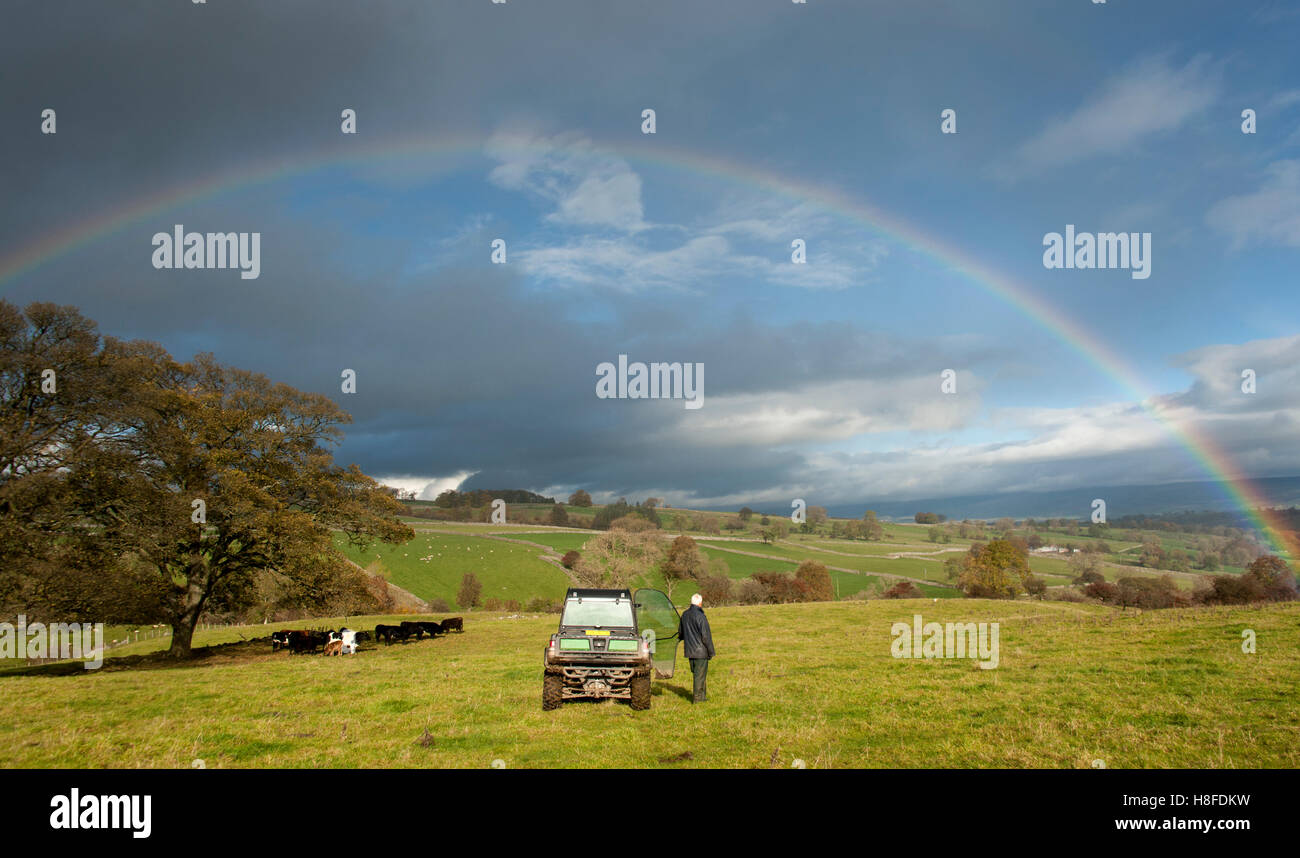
<point x="697" y="599"/>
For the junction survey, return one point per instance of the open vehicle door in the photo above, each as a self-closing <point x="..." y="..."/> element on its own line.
<point x="658" y="621"/>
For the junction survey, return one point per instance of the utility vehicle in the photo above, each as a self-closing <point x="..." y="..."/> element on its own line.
<point x="608" y="643"/>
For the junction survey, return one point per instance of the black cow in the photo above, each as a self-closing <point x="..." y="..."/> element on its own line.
<point x="307" y="641"/>
<point x="456" y="623"/>
<point x="431" y="629"/>
<point x="388" y="633"/>
<point x="409" y="629"/>
<point x="363" y="636"/>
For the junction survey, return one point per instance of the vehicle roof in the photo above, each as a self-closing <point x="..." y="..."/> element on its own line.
<point x="588" y="593"/>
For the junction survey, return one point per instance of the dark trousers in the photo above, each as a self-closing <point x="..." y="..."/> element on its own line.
<point x="700" y="670"/>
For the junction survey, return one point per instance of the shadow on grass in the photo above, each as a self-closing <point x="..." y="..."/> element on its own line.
<point x="681" y="691"/>
<point x="199" y="657"/>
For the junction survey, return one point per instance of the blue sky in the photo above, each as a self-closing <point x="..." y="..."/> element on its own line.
<point x="821" y="379"/>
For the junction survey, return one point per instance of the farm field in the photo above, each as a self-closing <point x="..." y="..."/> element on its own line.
<point x="560" y="542"/>
<point x="814" y="682"/>
<point x="797" y="553"/>
<point x="506" y="570"/>
<point x="744" y="553"/>
<point x="743" y="565"/>
<point x="835" y="547"/>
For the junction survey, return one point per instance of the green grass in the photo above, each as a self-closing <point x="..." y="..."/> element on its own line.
<point x="506" y="570"/>
<point x="845" y="546"/>
<point x="792" y="553"/>
<point x="560" y="542"/>
<point x="780" y="549"/>
<point x="742" y="565"/>
<point x="814" y="682"/>
<point x="848" y="583"/>
<point x="1053" y="570"/>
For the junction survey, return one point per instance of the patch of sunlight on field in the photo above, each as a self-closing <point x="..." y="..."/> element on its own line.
<point x="432" y="566"/>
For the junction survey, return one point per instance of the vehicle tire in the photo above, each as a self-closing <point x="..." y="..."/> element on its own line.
<point x="641" y="692"/>
<point x="552" y="691"/>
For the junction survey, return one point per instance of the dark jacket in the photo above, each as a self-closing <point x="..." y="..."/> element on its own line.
<point x="695" y="633"/>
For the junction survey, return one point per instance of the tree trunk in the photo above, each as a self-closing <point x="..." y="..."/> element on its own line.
<point x="185" y="616"/>
<point x="182" y="634"/>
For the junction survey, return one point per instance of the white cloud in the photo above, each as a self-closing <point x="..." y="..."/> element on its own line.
<point x="828" y="412"/>
<point x="625" y="265"/>
<point x="1218" y="368"/>
<point x="628" y="265"/>
<point x="613" y="199"/>
<point x="1284" y="99"/>
<point x="1149" y="97"/>
<point x="1114" y="443"/>
<point x="721" y="244"/>
<point x="426" y="488"/>
<point x="745" y="235"/>
<point x="588" y="188"/>
<point x="1267" y="215"/>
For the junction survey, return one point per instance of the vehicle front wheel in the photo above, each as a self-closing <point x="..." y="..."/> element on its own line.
<point x="552" y="691"/>
<point x="641" y="692"/>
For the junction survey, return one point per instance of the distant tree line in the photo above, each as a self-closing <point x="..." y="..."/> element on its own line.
<point x="1000" y="570"/>
<point x="484" y="497"/>
<point x="608" y="514"/>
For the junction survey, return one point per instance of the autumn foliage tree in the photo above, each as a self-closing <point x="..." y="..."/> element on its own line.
<point x="1267" y="579"/>
<point x="192" y="484"/>
<point x="815" y="581"/>
<point x="902" y="590"/>
<point x="683" y="562"/>
<point x="614" y="558"/>
<point x="64" y="391"/>
<point x="997" y="570"/>
<point x="470" y="594"/>
<point x="1274" y="577"/>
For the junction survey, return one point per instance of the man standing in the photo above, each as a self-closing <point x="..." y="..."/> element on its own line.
<point x="698" y="640"/>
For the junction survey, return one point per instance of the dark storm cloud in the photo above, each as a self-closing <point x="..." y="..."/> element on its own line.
<point x="466" y="368"/>
<point x="153" y="94"/>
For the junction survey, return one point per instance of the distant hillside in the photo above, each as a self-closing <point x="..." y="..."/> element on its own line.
<point x="1077" y="503"/>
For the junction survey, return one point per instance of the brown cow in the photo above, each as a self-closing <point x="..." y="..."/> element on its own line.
<point x="334" y="648"/>
<point x="456" y="623"/>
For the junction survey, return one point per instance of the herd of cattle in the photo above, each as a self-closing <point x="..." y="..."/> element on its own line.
<point x="344" y="641"/>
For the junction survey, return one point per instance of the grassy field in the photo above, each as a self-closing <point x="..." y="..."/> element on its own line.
<point x="522" y="575"/>
<point x="898" y="537"/>
<point x="560" y="542"/>
<point x="814" y="682"/>
<point x="432" y="565"/>
<point x="836" y="547"/>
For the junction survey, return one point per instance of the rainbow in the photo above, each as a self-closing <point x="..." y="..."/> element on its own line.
<point x="1208" y="455"/>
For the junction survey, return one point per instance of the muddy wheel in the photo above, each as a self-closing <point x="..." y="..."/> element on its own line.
<point x="641" y="692"/>
<point x="552" y="691"/>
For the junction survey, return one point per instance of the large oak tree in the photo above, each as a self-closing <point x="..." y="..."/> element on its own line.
<point x="181" y="484"/>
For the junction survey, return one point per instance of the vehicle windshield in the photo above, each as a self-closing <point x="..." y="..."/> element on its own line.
<point x="598" y="612"/>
